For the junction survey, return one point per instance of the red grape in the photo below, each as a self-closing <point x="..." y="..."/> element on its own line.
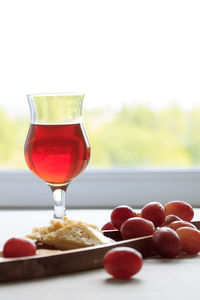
<point x="18" y="247"/>
<point x="121" y="214"/>
<point x="108" y="226"/>
<point x="177" y="224"/>
<point x="181" y="209"/>
<point x="136" y="227"/>
<point x="122" y="262"/>
<point x="169" y="219"/>
<point x="190" y="239"/>
<point x="154" y="212"/>
<point x="166" y="242"/>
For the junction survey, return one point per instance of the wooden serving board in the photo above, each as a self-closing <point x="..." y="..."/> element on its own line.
<point x="50" y="262"/>
<point x="53" y="262"/>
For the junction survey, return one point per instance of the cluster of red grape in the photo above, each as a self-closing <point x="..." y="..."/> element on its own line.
<point x="170" y="226"/>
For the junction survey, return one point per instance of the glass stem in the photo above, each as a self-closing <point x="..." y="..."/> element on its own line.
<point x="59" y="195"/>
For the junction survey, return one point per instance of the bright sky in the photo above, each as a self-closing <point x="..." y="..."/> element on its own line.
<point x="113" y="50"/>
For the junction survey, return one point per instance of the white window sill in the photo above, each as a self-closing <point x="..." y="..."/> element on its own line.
<point x="104" y="188"/>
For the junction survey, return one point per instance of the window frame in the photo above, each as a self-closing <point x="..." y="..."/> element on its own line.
<point x="103" y="188"/>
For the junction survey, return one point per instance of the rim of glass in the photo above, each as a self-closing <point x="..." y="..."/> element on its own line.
<point x="56" y="94"/>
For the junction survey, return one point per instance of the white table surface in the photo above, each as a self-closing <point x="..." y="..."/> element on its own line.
<point x="158" y="278"/>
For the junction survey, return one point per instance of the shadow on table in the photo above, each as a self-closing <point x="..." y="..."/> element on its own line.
<point x="177" y="259"/>
<point x="114" y="281"/>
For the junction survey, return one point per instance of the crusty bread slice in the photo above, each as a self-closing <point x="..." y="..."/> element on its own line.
<point x="69" y="234"/>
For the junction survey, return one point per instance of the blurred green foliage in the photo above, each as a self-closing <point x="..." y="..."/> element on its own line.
<point x="135" y="136"/>
<point x="12" y="138"/>
<point x="139" y="136"/>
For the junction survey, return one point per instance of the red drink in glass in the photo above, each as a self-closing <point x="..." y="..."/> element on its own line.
<point x="57" y="153"/>
<point x="57" y="148"/>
